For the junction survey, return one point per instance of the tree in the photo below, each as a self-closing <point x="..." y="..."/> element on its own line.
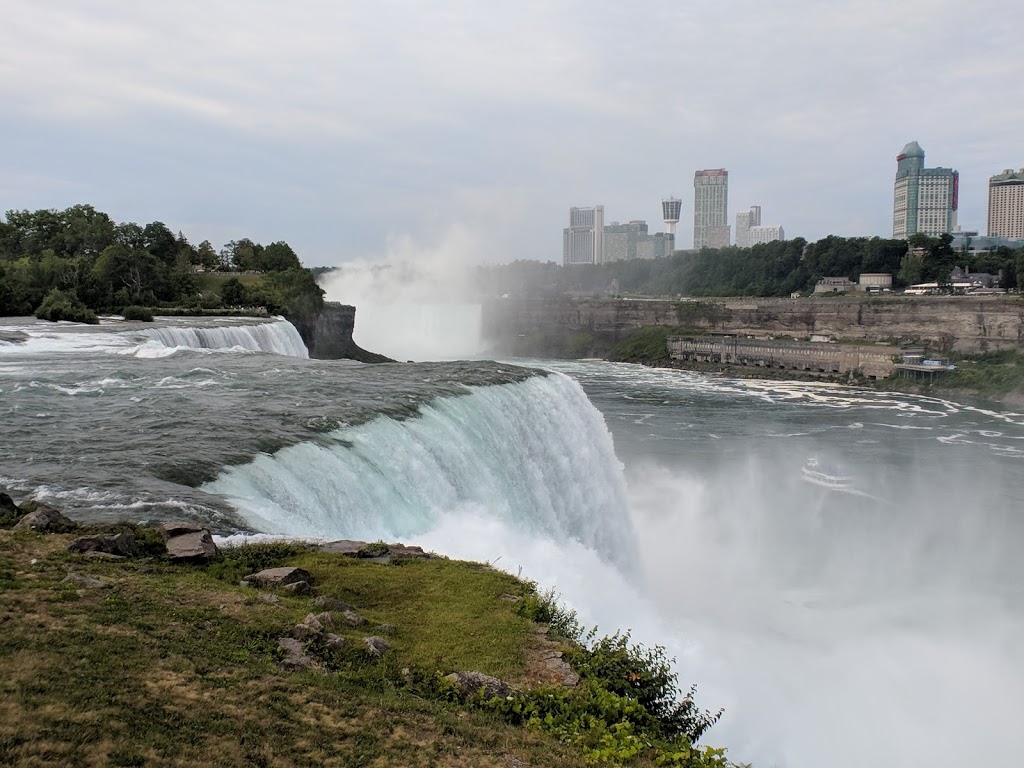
<point x="278" y="257"/>
<point x="233" y="293"/>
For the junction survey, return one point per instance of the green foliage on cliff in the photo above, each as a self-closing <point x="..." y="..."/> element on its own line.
<point x="82" y="252"/>
<point x="645" y="345"/>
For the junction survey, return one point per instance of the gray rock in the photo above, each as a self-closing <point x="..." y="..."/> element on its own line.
<point x="510" y="598"/>
<point x="278" y="577"/>
<point x="346" y="547"/>
<point x="305" y="632"/>
<point x="469" y="683"/>
<point x="377" y="552"/>
<point x="46" y="519"/>
<point x="174" y="528"/>
<point x="333" y="642"/>
<point x="325" y="619"/>
<point x="384" y="629"/>
<point x="103" y="556"/>
<point x="330" y="604"/>
<point x="376" y="646"/>
<point x="195" y="545"/>
<point x="122" y="544"/>
<point x="266" y="597"/>
<point x="353" y="619"/>
<point x="294" y="655"/>
<point x="7" y="506"/>
<point x="299" y="587"/>
<point x="87" y="582"/>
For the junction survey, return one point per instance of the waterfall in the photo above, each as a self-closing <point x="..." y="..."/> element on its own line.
<point x="535" y="455"/>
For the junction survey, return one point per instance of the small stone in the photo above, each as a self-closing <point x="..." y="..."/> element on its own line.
<point x="294" y="655"/>
<point x="266" y="597"/>
<point x="45" y="519"/>
<point x="384" y="629"/>
<point x="299" y="587"/>
<point x="305" y="632"/>
<point x="353" y="619"/>
<point x="279" y="577"/>
<point x="330" y="604"/>
<point x="334" y="642"/>
<point x="325" y="620"/>
<point x="87" y="582"/>
<point x="103" y="556"/>
<point x="470" y="683"/>
<point x="377" y="646"/>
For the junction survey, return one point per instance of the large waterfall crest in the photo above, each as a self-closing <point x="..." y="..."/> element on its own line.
<point x="535" y="455"/>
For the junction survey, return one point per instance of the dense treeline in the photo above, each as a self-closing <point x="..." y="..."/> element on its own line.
<point x="771" y="269"/>
<point x="79" y="261"/>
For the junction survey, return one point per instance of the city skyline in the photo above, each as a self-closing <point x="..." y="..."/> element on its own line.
<point x="179" y="115"/>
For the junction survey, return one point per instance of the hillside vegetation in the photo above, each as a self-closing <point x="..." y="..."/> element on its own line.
<point x="139" y="661"/>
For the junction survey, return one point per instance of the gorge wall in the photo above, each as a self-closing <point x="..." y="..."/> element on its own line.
<point x="952" y="323"/>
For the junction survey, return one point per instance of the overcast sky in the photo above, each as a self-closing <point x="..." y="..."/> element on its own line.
<point x="354" y="130"/>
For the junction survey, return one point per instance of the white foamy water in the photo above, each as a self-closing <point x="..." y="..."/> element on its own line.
<point x="163" y="338"/>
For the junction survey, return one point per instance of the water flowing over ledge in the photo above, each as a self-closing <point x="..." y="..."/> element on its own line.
<point x="535" y="455"/>
<point x="165" y="337"/>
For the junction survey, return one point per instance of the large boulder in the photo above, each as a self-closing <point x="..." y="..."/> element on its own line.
<point x="45" y="519"/>
<point x="191" y="546"/>
<point x="471" y="683"/>
<point x="278" y="577"/>
<point x="123" y="544"/>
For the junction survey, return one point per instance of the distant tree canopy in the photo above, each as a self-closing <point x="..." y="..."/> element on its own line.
<point x="80" y="258"/>
<point x="771" y="269"/>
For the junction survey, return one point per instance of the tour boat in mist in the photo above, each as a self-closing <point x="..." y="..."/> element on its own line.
<point x="831" y="477"/>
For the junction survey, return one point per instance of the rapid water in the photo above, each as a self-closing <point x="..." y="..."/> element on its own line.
<point x="881" y="625"/>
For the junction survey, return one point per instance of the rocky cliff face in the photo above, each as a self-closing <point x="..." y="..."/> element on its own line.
<point x="960" y="323"/>
<point x="328" y="336"/>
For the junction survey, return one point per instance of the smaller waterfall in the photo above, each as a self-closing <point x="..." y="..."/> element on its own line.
<point x="278" y="337"/>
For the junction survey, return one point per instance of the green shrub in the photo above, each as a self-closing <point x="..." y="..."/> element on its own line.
<point x="235" y="563"/>
<point x="137" y="313"/>
<point x="58" y="305"/>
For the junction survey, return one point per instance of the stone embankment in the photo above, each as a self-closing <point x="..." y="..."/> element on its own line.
<point x="965" y="324"/>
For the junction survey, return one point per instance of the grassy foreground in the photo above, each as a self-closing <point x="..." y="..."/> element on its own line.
<point x="179" y="665"/>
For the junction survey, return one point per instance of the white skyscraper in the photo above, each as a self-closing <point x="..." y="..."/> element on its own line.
<point x="744" y="221"/>
<point x="711" y="208"/>
<point x="1006" y="205"/>
<point x="924" y="199"/>
<point x="583" y="239"/>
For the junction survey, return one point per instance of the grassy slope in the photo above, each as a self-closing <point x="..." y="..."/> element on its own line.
<point x="176" y="666"/>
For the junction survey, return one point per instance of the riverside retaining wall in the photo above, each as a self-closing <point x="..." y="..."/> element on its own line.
<point x="961" y="323"/>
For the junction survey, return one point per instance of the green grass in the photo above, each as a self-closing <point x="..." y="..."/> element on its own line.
<point x="211" y="282"/>
<point x="177" y="665"/>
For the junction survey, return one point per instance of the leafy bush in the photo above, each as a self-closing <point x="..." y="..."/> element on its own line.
<point x="58" y="305"/>
<point x="235" y="563"/>
<point x="628" y="703"/>
<point x="137" y="313"/>
<point x="647" y="345"/>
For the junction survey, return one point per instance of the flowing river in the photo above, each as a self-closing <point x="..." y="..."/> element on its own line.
<point x="876" y="623"/>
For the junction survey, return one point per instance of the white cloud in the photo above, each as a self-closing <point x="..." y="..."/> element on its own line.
<point x="339" y="124"/>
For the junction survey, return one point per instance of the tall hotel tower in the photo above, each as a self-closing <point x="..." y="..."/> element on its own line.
<point x="711" y="208"/>
<point x="1006" y="205"/>
<point x="583" y="239"/>
<point x="924" y="199"/>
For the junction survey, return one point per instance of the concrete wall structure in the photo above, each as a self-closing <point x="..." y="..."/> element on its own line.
<point x="873" y="361"/>
<point x="961" y="323"/>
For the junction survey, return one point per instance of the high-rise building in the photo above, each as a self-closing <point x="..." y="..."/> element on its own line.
<point x="1006" y="204"/>
<point x="711" y="208"/>
<point x="620" y="240"/>
<point x="924" y="199"/>
<point x="766" y="234"/>
<point x="744" y="221"/>
<point x="583" y="239"/>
